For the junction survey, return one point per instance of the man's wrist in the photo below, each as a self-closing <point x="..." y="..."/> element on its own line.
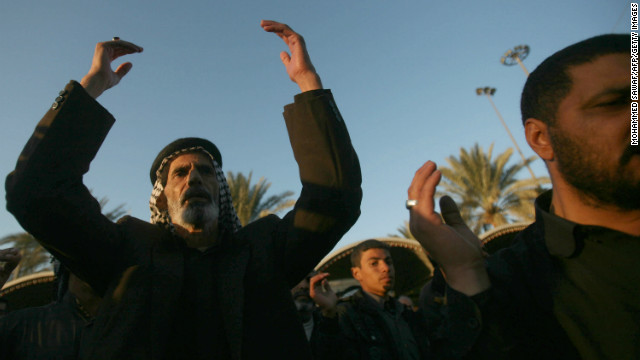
<point x="92" y="86"/>
<point x="469" y="281"/>
<point x="309" y="82"/>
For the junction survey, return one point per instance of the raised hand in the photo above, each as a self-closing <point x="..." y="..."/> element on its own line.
<point x="101" y="77"/>
<point x="10" y="257"/>
<point x="298" y="64"/>
<point x="450" y="243"/>
<point x="322" y="294"/>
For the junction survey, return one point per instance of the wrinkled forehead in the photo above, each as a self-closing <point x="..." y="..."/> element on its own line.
<point x="197" y="157"/>
<point x="183" y="157"/>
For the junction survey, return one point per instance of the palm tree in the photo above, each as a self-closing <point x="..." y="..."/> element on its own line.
<point x="486" y="189"/>
<point x="34" y="257"/>
<point x="403" y="232"/>
<point x="248" y="199"/>
<point x="113" y="214"/>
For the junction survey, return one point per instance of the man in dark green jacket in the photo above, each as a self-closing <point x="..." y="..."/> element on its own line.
<point x="193" y="284"/>
<point x="568" y="286"/>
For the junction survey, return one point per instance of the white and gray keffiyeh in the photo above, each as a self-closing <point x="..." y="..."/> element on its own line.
<point x="228" y="219"/>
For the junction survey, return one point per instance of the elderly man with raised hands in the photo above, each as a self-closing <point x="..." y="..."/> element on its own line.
<point x="568" y="286"/>
<point x="192" y="284"/>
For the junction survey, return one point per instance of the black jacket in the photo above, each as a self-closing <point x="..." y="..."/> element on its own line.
<point x="137" y="265"/>
<point x="359" y="332"/>
<point x="47" y="332"/>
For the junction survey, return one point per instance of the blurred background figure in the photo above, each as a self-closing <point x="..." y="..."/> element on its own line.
<point x="9" y="259"/>
<point x="307" y="310"/>
<point x="407" y="302"/>
<point x="54" y="330"/>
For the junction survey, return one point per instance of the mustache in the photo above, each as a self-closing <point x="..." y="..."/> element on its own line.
<point x="195" y="192"/>
<point x="628" y="153"/>
<point x="301" y="293"/>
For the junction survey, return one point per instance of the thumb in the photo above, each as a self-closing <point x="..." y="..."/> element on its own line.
<point x="452" y="217"/>
<point x="123" y="69"/>
<point x="450" y="212"/>
<point x="285" y="58"/>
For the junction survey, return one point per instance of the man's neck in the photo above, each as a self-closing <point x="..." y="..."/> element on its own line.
<point x="199" y="238"/>
<point x="572" y="205"/>
<point x="379" y="299"/>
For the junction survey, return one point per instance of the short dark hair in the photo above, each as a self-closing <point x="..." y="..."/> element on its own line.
<point x="356" y="255"/>
<point x="550" y="83"/>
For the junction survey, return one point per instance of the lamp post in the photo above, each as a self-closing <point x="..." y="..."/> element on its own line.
<point x="489" y="91"/>
<point x="515" y="56"/>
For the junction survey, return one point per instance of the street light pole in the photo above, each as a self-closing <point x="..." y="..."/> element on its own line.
<point x="515" y="56"/>
<point x="489" y="91"/>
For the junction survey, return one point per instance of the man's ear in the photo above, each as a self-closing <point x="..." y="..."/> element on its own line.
<point x="537" y="134"/>
<point x="355" y="272"/>
<point x="161" y="201"/>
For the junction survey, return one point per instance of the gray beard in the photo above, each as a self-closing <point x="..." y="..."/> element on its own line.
<point x="197" y="216"/>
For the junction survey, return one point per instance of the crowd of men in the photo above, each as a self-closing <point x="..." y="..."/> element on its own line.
<point x="194" y="284"/>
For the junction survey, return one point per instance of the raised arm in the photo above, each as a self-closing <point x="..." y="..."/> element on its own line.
<point x="298" y="64"/>
<point x="450" y="243"/>
<point x="101" y="77"/>
<point x="329" y="202"/>
<point x="46" y="193"/>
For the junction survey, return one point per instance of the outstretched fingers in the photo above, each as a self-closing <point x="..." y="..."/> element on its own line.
<point x="116" y="48"/>
<point x="422" y="189"/>
<point x="123" y="69"/>
<point x="297" y="61"/>
<point x="101" y="76"/>
<point x="275" y="27"/>
<point x="316" y="284"/>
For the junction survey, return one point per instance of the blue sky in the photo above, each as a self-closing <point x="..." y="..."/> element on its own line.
<point x="403" y="73"/>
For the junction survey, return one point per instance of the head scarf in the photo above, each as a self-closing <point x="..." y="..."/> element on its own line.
<point x="227" y="219"/>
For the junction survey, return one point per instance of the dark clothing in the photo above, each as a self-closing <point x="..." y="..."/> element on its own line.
<point x="47" y="332"/>
<point x="365" y="330"/>
<point x="562" y="291"/>
<point x="142" y="269"/>
<point x="198" y="326"/>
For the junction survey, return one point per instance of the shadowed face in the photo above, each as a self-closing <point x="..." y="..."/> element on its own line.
<point x="302" y="299"/>
<point x="376" y="273"/>
<point x="192" y="191"/>
<point x="591" y="136"/>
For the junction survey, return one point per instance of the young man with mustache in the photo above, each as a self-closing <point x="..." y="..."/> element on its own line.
<point x="370" y="324"/>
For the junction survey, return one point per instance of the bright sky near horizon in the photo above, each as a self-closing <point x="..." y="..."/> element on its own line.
<point x="403" y="73"/>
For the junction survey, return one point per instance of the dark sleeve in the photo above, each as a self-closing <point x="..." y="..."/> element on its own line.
<point x="333" y="339"/>
<point x="454" y="320"/>
<point x="483" y="326"/>
<point x="326" y="339"/>
<point x="329" y="202"/>
<point x="9" y="326"/>
<point x="46" y="194"/>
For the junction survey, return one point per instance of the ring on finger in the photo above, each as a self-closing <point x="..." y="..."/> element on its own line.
<point x="410" y="203"/>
